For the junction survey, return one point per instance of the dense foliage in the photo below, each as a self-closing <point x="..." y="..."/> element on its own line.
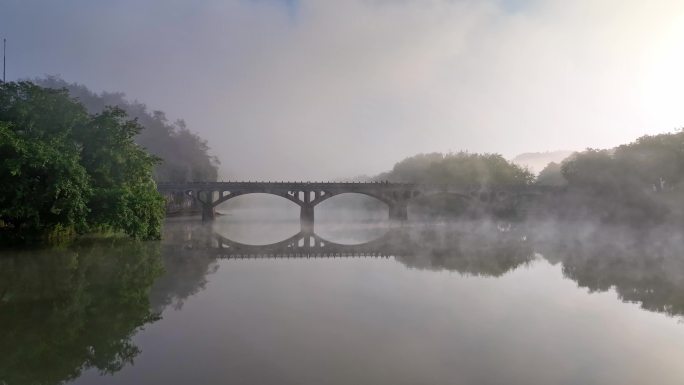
<point x="477" y="171"/>
<point x="64" y="171"/>
<point x="551" y="175"/>
<point x="460" y="168"/>
<point x="635" y="181"/>
<point x="185" y="156"/>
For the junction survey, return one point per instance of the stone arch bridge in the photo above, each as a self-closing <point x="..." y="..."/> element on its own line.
<point x="309" y="194"/>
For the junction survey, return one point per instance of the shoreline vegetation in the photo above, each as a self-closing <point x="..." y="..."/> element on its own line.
<point x="639" y="183"/>
<point x="67" y="172"/>
<point x="77" y="163"/>
<point x="74" y="165"/>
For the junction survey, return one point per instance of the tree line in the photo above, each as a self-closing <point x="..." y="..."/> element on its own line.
<point x="641" y="180"/>
<point x="476" y="171"/>
<point x="460" y="168"/>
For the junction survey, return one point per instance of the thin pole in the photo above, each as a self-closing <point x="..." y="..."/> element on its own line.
<point x="4" y="47"/>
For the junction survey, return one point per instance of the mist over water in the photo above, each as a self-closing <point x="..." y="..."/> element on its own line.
<point x="370" y="301"/>
<point x="342" y="192"/>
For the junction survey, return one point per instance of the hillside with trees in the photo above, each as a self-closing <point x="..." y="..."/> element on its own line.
<point x="460" y="168"/>
<point x="478" y="171"/>
<point x="642" y="180"/>
<point x="184" y="155"/>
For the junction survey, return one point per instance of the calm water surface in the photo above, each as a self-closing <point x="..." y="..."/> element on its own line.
<point x="250" y="302"/>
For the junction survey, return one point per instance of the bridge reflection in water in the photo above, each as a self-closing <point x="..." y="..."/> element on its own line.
<point x="643" y="266"/>
<point x="304" y="244"/>
<point x="484" y="250"/>
<point x="89" y="299"/>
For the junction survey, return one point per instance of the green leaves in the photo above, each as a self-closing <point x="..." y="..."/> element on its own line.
<point x="63" y="170"/>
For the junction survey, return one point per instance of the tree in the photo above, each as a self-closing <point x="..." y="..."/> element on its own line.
<point x="551" y="175"/>
<point x="657" y="162"/>
<point x="625" y="183"/>
<point x="44" y="190"/>
<point x="64" y="171"/>
<point x="477" y="171"/>
<point x="460" y="168"/>
<point x="124" y="194"/>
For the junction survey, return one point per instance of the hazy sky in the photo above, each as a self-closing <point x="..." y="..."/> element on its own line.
<point x="298" y="89"/>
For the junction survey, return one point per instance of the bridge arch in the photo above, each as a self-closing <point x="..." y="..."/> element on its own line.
<point x="379" y="197"/>
<point x="373" y="205"/>
<point x="395" y="201"/>
<point x="225" y="196"/>
<point x="306" y="243"/>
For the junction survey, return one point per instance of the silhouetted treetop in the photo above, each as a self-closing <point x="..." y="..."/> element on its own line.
<point x="458" y="168"/>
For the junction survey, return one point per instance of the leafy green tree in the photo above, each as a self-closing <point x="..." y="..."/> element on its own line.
<point x="44" y="190"/>
<point x="64" y="171"/>
<point x="124" y="194"/>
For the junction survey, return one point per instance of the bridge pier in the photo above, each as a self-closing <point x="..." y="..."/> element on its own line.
<point x="208" y="213"/>
<point x="398" y="211"/>
<point x="306" y="217"/>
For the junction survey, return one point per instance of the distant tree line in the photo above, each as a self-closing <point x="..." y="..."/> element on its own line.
<point x="184" y="155"/>
<point x="65" y="171"/>
<point x="477" y="171"/>
<point x="642" y="180"/>
<point x="460" y="168"/>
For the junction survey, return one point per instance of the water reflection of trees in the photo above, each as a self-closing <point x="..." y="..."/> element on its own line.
<point x="487" y="249"/>
<point x="185" y="269"/>
<point x="77" y="308"/>
<point x="643" y="266"/>
<point x="68" y="310"/>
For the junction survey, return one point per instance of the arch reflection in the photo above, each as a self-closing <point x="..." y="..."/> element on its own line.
<point x="489" y="250"/>
<point x="307" y="243"/>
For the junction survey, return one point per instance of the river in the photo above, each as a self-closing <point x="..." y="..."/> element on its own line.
<point x="353" y="302"/>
